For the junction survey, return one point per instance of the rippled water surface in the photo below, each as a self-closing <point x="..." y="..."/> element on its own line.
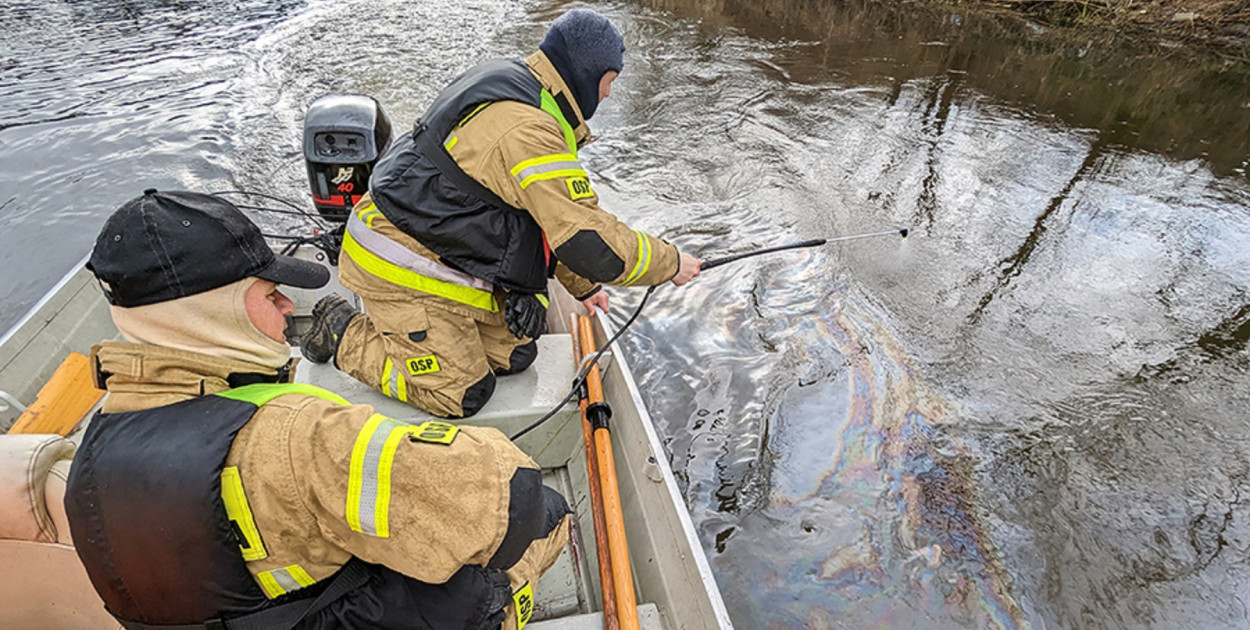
<point x="1031" y="413"/>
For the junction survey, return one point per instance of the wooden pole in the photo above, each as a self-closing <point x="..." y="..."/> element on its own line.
<point x="63" y="401"/>
<point x="610" y="621"/>
<point x="597" y="413"/>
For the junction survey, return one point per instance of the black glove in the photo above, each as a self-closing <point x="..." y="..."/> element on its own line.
<point x="526" y="314"/>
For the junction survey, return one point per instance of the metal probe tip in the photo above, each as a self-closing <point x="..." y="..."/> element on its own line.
<point x="903" y="232"/>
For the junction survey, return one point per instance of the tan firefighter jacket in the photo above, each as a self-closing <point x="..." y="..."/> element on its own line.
<point x="504" y="146"/>
<point x="448" y="505"/>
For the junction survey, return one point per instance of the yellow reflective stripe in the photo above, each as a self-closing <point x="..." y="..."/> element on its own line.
<point x="261" y="393"/>
<point x="368" y="213"/>
<point x="542" y="299"/>
<point x="238" y="511"/>
<point x="362" y="482"/>
<point x="544" y="159"/>
<point x="556" y="174"/>
<point x="387" y="369"/>
<point x="547" y="167"/>
<point x="279" y="582"/>
<point x="473" y="113"/>
<point x="369" y="477"/>
<point x="393" y="383"/>
<point x="644" y="259"/>
<point x="451" y="142"/>
<point x="393" y="273"/>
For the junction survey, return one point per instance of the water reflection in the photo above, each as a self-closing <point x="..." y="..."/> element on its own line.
<point x="1135" y="94"/>
<point x="101" y="100"/>
<point x="1026" y="416"/>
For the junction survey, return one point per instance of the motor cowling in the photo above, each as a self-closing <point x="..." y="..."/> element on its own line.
<point x="344" y="135"/>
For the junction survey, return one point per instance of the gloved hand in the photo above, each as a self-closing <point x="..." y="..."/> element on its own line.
<point x="526" y="314"/>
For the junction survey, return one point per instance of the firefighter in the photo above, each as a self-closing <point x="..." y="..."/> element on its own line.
<point x="470" y="214"/>
<point x="212" y="492"/>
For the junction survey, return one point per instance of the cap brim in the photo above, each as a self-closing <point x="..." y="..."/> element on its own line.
<point x="295" y="272"/>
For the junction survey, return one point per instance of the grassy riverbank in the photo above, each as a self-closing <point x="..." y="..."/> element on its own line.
<point x="1223" y="25"/>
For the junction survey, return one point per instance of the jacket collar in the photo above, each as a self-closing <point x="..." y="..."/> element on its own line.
<point x="140" y="376"/>
<point x="546" y="73"/>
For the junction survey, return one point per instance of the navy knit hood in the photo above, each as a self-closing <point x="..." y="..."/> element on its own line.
<point x="583" y="46"/>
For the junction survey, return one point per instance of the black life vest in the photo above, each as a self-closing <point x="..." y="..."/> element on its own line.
<point x="420" y="189"/>
<point x="146" y="513"/>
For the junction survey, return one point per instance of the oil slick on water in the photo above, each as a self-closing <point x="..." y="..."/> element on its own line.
<point x="874" y="511"/>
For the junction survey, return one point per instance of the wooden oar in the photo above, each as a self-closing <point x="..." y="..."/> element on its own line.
<point x="597" y="413"/>
<point x="610" y="621"/>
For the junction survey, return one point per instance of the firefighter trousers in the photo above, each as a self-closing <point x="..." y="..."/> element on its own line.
<point x="429" y="357"/>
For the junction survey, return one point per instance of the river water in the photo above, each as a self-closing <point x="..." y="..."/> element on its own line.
<point x="1030" y="413"/>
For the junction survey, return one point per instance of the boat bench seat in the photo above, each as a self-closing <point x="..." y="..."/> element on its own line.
<point x="519" y="399"/>
<point x="35" y="533"/>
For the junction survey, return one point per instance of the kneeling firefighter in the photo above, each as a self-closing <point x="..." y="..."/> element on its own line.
<point x="469" y="215"/>
<point x="211" y="492"/>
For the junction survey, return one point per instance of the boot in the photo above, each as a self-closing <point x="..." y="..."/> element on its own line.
<point x="330" y="318"/>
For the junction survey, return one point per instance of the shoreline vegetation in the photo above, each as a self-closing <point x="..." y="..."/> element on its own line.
<point x="1123" y="71"/>
<point x="1218" y="26"/>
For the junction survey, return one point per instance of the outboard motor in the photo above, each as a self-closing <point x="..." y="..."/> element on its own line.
<point x="344" y="135"/>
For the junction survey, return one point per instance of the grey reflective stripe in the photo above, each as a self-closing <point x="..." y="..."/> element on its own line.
<point x="395" y="388"/>
<point x="539" y="169"/>
<point x="369" y="475"/>
<point x="401" y="256"/>
<point x="285" y="580"/>
<point x="279" y="582"/>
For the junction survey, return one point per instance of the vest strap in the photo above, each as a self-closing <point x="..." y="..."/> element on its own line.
<point x="214" y="624"/>
<point x="353" y="575"/>
<point x="432" y="149"/>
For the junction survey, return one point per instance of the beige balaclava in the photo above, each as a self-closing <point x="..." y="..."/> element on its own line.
<point x="213" y="323"/>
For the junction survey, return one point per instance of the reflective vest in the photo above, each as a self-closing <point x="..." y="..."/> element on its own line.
<point x="390" y="261"/>
<point x="418" y="186"/>
<point x="164" y="531"/>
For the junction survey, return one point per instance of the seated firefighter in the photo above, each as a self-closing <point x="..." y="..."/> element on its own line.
<point x="467" y="218"/>
<point x="211" y="492"/>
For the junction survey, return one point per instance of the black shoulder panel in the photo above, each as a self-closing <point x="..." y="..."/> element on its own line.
<point x="589" y="257"/>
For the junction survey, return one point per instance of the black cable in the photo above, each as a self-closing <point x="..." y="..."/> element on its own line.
<point x="295" y="207"/>
<point x="327" y="242"/>
<point x="728" y="259"/>
<point x="581" y="376"/>
<point x="587" y="364"/>
<point x="243" y="206"/>
<point x="710" y="264"/>
<point x="323" y="238"/>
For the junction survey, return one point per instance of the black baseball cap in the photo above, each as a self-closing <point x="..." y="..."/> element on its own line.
<point x="166" y="245"/>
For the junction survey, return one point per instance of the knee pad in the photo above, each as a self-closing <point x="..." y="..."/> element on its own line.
<point x="556" y="507"/>
<point x="521" y="358"/>
<point x="476" y="396"/>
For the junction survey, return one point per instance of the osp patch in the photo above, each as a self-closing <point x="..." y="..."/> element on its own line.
<point x="579" y="188"/>
<point x="427" y="364"/>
